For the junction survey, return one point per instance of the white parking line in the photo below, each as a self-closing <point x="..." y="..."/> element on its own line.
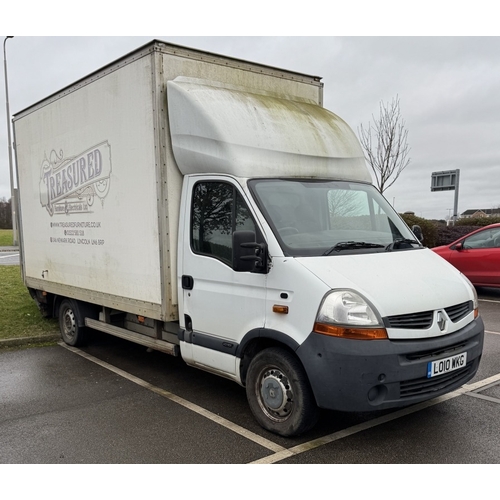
<point x="336" y="436"/>
<point x="494" y="333"/>
<point x="481" y="384"/>
<point x="489" y="300"/>
<point x="281" y="453"/>
<point x="483" y="397"/>
<point x="183" y="402"/>
<point x="316" y="443"/>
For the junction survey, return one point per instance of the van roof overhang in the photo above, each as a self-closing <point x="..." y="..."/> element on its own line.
<point x="217" y="128"/>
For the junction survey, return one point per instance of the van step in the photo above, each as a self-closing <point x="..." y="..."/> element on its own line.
<point x="158" y="345"/>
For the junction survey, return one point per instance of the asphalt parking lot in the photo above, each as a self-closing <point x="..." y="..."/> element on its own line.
<point x="116" y="402"/>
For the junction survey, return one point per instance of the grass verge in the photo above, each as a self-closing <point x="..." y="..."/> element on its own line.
<point x="19" y="315"/>
<point x="6" y="238"/>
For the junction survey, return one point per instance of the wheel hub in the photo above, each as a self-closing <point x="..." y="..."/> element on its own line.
<point x="69" y="323"/>
<point x="276" y="393"/>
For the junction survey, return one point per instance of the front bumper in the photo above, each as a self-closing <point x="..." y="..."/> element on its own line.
<point x="367" y="375"/>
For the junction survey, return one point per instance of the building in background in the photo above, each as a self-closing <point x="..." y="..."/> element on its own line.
<point x="485" y="212"/>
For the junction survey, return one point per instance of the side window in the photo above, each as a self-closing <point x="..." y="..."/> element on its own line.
<point x="217" y="211"/>
<point x="243" y="219"/>
<point x="489" y="238"/>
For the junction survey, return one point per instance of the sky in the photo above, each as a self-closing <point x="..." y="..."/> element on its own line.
<point x="448" y="88"/>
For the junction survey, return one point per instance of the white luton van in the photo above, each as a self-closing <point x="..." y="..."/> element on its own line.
<point x="211" y="208"/>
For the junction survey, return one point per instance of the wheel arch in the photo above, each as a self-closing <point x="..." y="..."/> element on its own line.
<point x="259" y="339"/>
<point x="82" y="309"/>
<point x="44" y="301"/>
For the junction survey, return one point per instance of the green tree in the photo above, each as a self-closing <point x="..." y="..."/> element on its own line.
<point x="5" y="214"/>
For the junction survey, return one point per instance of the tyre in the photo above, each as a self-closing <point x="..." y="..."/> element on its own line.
<point x="279" y="393"/>
<point x="71" y="332"/>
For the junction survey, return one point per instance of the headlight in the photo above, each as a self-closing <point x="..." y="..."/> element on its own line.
<point x="475" y="301"/>
<point x="345" y="313"/>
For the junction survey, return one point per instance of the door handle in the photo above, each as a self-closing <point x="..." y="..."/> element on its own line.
<point x="187" y="282"/>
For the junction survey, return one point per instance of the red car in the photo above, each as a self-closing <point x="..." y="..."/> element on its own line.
<point x="477" y="255"/>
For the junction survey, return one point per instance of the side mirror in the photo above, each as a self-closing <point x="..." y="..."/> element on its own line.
<point x="417" y="231"/>
<point x="459" y="246"/>
<point x="248" y="255"/>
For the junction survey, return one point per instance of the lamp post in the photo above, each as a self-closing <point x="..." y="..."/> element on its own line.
<point x="13" y="201"/>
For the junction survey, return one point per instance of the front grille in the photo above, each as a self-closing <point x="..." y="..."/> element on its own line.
<point x="424" y="385"/>
<point x="423" y="320"/>
<point x="458" y="312"/>
<point x="446" y="351"/>
<point x="415" y="321"/>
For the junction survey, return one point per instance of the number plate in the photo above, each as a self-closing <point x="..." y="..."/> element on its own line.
<point x="435" y="368"/>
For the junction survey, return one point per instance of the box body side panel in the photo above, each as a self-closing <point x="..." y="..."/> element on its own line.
<point x="88" y="190"/>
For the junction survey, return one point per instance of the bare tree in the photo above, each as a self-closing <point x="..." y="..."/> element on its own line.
<point x="385" y="144"/>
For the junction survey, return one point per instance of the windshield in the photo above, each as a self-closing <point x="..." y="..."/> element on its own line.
<point x="312" y="218"/>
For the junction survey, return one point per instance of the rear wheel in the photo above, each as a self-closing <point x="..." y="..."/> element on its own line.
<point x="71" y="332"/>
<point x="279" y="393"/>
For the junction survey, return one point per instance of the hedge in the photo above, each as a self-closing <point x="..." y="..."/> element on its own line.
<point x="429" y="228"/>
<point x="438" y="233"/>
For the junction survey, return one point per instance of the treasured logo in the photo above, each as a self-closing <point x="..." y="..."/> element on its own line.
<point x="69" y="185"/>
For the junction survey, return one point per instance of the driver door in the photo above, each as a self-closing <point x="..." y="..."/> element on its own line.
<point x="220" y="304"/>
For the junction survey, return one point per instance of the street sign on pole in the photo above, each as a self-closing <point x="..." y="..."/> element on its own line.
<point x="447" y="180"/>
<point x="444" y="181"/>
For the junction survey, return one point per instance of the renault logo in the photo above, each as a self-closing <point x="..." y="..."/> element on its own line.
<point x="441" y="320"/>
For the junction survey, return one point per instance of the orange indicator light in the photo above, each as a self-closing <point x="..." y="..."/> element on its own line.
<point x="351" y="333"/>
<point x="280" y="309"/>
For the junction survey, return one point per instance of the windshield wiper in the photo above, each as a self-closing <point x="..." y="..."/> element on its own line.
<point x="351" y="245"/>
<point x="396" y="244"/>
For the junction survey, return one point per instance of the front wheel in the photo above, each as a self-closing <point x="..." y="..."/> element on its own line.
<point x="279" y="393"/>
<point x="71" y="332"/>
